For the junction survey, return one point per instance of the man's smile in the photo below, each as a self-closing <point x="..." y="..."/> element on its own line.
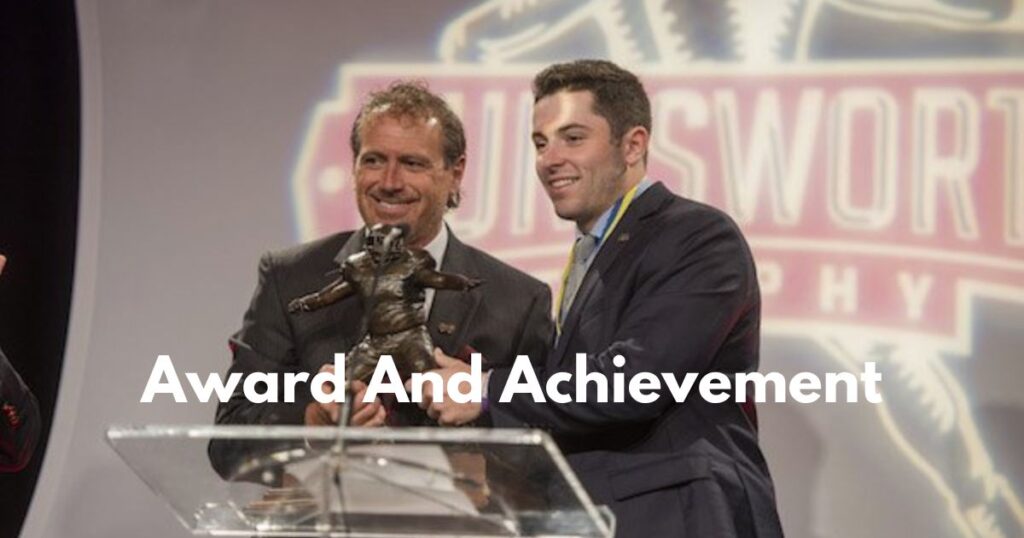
<point x="558" y="184"/>
<point x="390" y="206"/>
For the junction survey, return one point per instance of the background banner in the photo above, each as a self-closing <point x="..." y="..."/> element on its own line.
<point x="870" y="149"/>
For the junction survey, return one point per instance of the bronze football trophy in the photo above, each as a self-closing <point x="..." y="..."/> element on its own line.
<point x="390" y="279"/>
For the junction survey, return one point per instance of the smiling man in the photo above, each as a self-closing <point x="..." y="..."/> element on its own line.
<point x="409" y="153"/>
<point x="664" y="282"/>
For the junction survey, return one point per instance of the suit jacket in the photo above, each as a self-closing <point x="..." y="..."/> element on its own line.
<point x="673" y="289"/>
<point x="508" y="315"/>
<point x="19" y="419"/>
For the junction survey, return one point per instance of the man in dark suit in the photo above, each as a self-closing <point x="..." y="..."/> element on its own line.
<point x="667" y="283"/>
<point x="409" y="156"/>
<point x="19" y="415"/>
<point x="19" y="419"/>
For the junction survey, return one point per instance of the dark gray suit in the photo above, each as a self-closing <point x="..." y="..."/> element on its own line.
<point x="508" y="315"/>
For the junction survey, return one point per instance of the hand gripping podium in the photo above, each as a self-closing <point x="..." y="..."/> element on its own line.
<point x="362" y="482"/>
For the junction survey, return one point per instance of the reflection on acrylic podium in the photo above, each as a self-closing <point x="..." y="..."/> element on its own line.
<point x="362" y="482"/>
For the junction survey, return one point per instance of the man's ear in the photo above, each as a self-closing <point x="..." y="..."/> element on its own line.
<point x="634" y="145"/>
<point x="458" y="169"/>
<point x="455" y="194"/>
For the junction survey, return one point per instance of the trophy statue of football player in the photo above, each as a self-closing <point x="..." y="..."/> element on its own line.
<point x="390" y="279"/>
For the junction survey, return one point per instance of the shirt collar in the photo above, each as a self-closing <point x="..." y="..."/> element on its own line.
<point x="601" y="226"/>
<point x="438" y="245"/>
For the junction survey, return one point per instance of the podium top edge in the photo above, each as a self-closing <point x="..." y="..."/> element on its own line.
<point x="405" y="434"/>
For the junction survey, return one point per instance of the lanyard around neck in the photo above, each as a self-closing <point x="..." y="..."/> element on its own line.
<point x="618" y="210"/>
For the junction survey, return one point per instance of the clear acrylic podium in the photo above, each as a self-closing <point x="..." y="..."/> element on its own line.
<point x="361" y="482"/>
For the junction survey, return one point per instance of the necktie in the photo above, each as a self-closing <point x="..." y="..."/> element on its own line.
<point x="581" y="252"/>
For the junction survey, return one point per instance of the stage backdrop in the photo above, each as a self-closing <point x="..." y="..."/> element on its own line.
<point x="871" y="150"/>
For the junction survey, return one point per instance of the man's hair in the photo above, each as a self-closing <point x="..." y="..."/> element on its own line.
<point x="619" y="96"/>
<point x="412" y="99"/>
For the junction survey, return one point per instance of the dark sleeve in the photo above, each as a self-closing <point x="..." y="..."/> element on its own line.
<point x="690" y="292"/>
<point x="534" y="339"/>
<point x="538" y="331"/>
<point x="19" y="419"/>
<point x="264" y="344"/>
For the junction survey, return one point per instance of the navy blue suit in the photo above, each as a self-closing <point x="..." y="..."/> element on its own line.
<point x="673" y="289"/>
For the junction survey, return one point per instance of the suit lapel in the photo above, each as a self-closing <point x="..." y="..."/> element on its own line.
<point x="348" y="314"/>
<point x="648" y="203"/>
<point x="452" y="311"/>
<point x="352" y="245"/>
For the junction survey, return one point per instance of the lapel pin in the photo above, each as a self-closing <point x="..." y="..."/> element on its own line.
<point x="446" y="328"/>
<point x="623" y="237"/>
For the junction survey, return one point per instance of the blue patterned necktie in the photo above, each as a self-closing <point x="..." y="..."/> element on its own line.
<point x="581" y="252"/>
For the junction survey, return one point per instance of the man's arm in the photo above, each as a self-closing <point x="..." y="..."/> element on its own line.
<point x="538" y="330"/>
<point x="265" y="343"/>
<point x="19" y="419"/>
<point x="19" y="415"/>
<point x="533" y="339"/>
<point x="695" y="292"/>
